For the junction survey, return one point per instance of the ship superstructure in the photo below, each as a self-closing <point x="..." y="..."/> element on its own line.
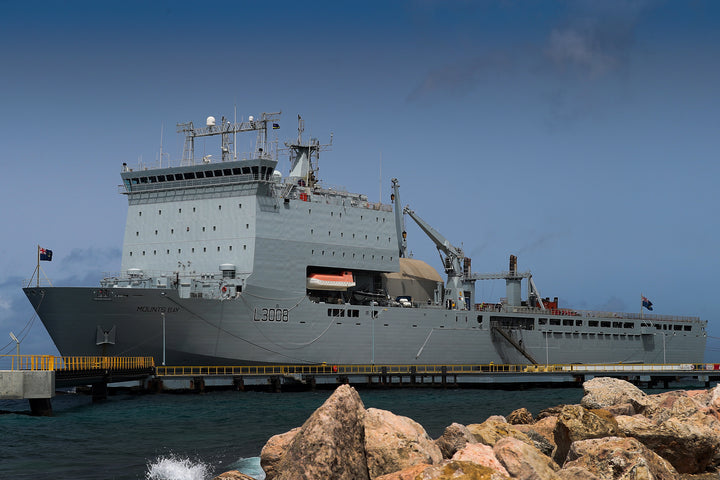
<point x="230" y="262"/>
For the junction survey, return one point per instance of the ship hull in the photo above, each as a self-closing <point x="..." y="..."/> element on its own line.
<point x="249" y="329"/>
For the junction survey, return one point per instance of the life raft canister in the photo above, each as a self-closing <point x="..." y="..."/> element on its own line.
<point x="335" y="369"/>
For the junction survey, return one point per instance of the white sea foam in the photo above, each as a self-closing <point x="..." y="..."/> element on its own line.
<point x="174" y="468"/>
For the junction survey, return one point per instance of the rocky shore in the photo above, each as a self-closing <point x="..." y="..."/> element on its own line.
<point x="616" y="432"/>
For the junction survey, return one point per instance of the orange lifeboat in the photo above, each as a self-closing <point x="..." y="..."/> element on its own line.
<point x="330" y="281"/>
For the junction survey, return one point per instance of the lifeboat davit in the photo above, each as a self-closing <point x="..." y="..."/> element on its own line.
<point x="330" y="281"/>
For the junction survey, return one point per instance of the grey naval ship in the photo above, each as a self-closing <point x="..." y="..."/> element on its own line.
<point x="228" y="262"/>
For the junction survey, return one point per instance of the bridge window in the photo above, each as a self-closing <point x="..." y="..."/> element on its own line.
<point x="605" y="324"/>
<point x="617" y="324"/>
<point x="189" y="176"/>
<point x="542" y="321"/>
<point x="677" y="327"/>
<point x="567" y="322"/>
<point x="593" y="323"/>
<point x="578" y="323"/>
<point x="628" y="325"/>
<point x="687" y="328"/>
<point x="554" y="321"/>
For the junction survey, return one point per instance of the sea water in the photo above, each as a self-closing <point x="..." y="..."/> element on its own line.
<point x="198" y="436"/>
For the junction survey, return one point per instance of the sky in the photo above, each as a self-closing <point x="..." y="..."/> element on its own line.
<point x="581" y="136"/>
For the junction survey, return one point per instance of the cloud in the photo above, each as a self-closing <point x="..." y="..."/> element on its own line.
<point x="462" y="77"/>
<point x="570" y="47"/>
<point x="590" y="40"/>
<point x="542" y="241"/>
<point x="613" y="304"/>
<point x="83" y="265"/>
<point x="595" y="37"/>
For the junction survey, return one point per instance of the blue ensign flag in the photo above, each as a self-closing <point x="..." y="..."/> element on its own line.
<point x="646" y="303"/>
<point x="46" y="254"/>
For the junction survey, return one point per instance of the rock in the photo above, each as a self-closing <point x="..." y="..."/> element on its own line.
<point x="578" y="423"/>
<point x="714" y="400"/>
<point x="678" y="404"/>
<point x="619" y="458"/>
<point x="544" y="426"/>
<point x="576" y="473"/>
<point x="524" y="461"/>
<point x="273" y="451"/>
<point x="331" y="443"/>
<point x="521" y="416"/>
<point x="689" y="446"/>
<point x="455" y="470"/>
<point x="539" y="441"/>
<point x="454" y="438"/>
<point x="493" y="429"/>
<point x="393" y="442"/>
<point x="409" y="473"/>
<point x="621" y="409"/>
<point x="549" y="412"/>
<point x="604" y="392"/>
<point x="233" y="475"/>
<point x="497" y="418"/>
<point x="480" y="454"/>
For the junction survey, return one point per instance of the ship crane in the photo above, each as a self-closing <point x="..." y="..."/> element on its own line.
<point x="460" y="287"/>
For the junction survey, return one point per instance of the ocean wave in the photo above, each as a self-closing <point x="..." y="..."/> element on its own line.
<point x="175" y="468"/>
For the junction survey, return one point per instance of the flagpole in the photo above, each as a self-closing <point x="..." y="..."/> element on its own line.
<point x="38" y="266"/>
<point x="641" y="306"/>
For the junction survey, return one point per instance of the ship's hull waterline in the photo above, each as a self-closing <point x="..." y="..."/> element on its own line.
<point x="250" y="331"/>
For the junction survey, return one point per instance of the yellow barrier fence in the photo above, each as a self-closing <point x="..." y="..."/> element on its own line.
<point x="50" y="362"/>
<point x="188" y="371"/>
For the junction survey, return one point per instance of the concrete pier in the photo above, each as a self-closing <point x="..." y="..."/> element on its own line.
<point x="37" y="386"/>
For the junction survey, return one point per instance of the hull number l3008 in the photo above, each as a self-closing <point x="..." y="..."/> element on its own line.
<point x="271" y="315"/>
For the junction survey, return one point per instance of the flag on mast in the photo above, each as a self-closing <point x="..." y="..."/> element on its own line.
<point x="45" y="254"/>
<point x="646" y="303"/>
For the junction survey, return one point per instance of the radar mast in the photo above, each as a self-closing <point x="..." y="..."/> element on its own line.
<point x="304" y="157"/>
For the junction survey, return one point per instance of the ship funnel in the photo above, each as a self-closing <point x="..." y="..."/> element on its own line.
<point x="513" y="284"/>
